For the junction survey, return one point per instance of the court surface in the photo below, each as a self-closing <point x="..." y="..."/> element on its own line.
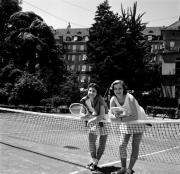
<point x="23" y="157"/>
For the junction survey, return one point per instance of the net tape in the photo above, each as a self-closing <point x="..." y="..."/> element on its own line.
<point x="160" y="142"/>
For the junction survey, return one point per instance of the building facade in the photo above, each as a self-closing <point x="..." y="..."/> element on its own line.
<point x="170" y="59"/>
<point x="74" y="43"/>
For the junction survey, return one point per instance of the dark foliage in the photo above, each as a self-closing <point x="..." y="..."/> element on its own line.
<point x="117" y="48"/>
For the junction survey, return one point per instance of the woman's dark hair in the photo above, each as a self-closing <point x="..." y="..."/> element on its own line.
<point x="111" y="89"/>
<point x="95" y="86"/>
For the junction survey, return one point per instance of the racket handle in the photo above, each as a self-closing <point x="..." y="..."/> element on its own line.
<point x="100" y="124"/>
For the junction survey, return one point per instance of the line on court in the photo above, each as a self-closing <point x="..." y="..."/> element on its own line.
<point x="115" y="162"/>
<point x="153" y="153"/>
<point x="41" y="154"/>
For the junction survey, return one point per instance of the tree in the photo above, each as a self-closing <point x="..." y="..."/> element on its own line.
<point x="30" y="45"/>
<point x="116" y="47"/>
<point x="25" y="40"/>
<point x="137" y="48"/>
<point x="70" y="92"/>
<point x="7" y="8"/>
<point x="102" y="44"/>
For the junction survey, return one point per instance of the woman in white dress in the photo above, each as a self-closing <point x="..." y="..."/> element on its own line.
<point x="121" y="98"/>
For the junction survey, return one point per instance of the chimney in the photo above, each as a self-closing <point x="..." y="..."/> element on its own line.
<point x="69" y="26"/>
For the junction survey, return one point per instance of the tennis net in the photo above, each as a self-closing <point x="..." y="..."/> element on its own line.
<point x="160" y="141"/>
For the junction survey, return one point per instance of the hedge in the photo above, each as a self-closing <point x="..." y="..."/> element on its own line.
<point x="163" y="112"/>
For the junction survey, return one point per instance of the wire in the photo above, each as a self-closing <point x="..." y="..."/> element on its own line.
<point x="67" y="2"/>
<point x="76" y="24"/>
<point x="57" y="17"/>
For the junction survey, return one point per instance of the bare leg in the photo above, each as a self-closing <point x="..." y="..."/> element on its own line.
<point x="135" y="150"/>
<point x="92" y="145"/>
<point x="102" y="145"/>
<point x="123" y="149"/>
<point x="123" y="154"/>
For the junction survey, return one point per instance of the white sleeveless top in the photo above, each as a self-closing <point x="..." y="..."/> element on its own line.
<point x="141" y="113"/>
<point x="128" y="128"/>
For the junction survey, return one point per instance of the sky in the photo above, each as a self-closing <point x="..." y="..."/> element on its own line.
<point x="81" y="13"/>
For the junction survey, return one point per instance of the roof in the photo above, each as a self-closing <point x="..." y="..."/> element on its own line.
<point x="72" y="32"/>
<point x="152" y="31"/>
<point x="174" y="26"/>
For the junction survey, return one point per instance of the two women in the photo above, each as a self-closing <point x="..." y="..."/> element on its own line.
<point x="96" y="106"/>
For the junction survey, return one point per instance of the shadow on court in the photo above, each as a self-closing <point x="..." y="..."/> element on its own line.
<point x="106" y="170"/>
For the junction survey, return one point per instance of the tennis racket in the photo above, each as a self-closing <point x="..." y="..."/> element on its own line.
<point x="117" y="112"/>
<point x="79" y="110"/>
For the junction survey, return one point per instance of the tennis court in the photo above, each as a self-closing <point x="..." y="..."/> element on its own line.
<point x="58" y="144"/>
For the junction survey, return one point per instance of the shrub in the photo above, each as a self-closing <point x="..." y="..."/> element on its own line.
<point x="29" y="90"/>
<point x="56" y="101"/>
<point x="164" y="112"/>
<point x="45" y="102"/>
<point x="3" y="96"/>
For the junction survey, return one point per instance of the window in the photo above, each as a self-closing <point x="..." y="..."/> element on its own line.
<point x="84" y="57"/>
<point x="82" y="47"/>
<point x="73" y="57"/>
<point x="74" y="47"/>
<point x="79" y="38"/>
<point x="163" y="45"/>
<point x="69" y="57"/>
<point x="68" y="68"/>
<point x="83" y="68"/>
<point x="77" y="48"/>
<point x="69" y="47"/>
<point x="172" y="44"/>
<point x="68" y="38"/>
<point x="79" y="68"/>
<point x="86" y="38"/>
<point x="83" y="79"/>
<point x="72" y="67"/>
<point x="90" y="68"/>
<point x="75" y="38"/>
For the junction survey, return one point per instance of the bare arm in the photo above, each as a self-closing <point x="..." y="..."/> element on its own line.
<point x="112" y="103"/>
<point x="101" y="114"/>
<point x="99" y="117"/>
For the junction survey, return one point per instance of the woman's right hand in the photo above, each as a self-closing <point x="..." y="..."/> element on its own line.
<point x="92" y="120"/>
